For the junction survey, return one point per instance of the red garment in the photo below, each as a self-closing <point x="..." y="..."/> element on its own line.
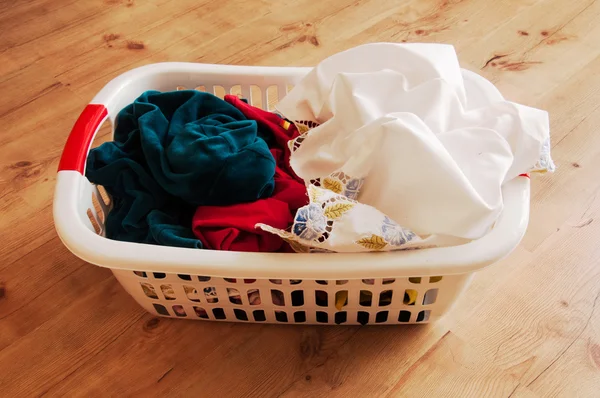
<point x="232" y="227"/>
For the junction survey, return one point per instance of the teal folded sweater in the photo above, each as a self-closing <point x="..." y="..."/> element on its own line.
<point x="172" y="152"/>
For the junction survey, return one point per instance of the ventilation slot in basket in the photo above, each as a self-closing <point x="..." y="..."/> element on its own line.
<point x="149" y="291"/>
<point x="179" y="311"/>
<point x="297" y="298"/>
<point x="200" y="312"/>
<point x="299" y="316"/>
<point x="410" y="297"/>
<point x="240" y="314"/>
<point x="259" y="316"/>
<point x="381" y="317"/>
<point x="362" y="317"/>
<point x="234" y="296"/>
<point x="430" y="296"/>
<point x="254" y="297"/>
<point x="211" y="295"/>
<point x="191" y="293"/>
<point x="385" y="298"/>
<point x="219" y="313"/>
<point x="281" y="316"/>
<point x="340" y="317"/>
<point x="160" y="309"/>
<point x="277" y="297"/>
<point x="423" y="316"/>
<point x="321" y="298"/>
<point x="322" y="317"/>
<point x="404" y="316"/>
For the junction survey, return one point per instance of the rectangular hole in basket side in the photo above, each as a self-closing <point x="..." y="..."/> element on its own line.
<point x="322" y="317"/>
<point x="191" y="293"/>
<point x="277" y="297"/>
<point x="236" y="90"/>
<point x="211" y="295"/>
<point x="341" y="299"/>
<point x="259" y="315"/>
<point x="219" y="313"/>
<point x="254" y="297"/>
<point x="272" y="97"/>
<point x="423" y="316"/>
<point x="149" y="291"/>
<point x="168" y="292"/>
<point x="321" y="298"/>
<point x="362" y="317"/>
<point x="410" y="297"/>
<point x="366" y="298"/>
<point x="234" y="296"/>
<point x="299" y="316"/>
<point x="281" y="316"/>
<point x="340" y="317"/>
<point x="240" y="314"/>
<point x="381" y="317"/>
<point x="430" y="296"/>
<point x="161" y="310"/>
<point x="179" y="311"/>
<point x="385" y="298"/>
<point x="219" y="91"/>
<point x="94" y="222"/>
<point x="99" y="209"/>
<point x="404" y="316"/>
<point x="298" y="298"/>
<point x="256" y="97"/>
<point x="200" y="312"/>
<point x="104" y="196"/>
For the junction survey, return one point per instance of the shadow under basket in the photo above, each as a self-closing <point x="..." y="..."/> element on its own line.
<point x="403" y="287"/>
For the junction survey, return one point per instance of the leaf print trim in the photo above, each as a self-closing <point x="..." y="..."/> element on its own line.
<point x="314" y="194"/>
<point x="333" y="185"/>
<point x="336" y="210"/>
<point x="374" y="242"/>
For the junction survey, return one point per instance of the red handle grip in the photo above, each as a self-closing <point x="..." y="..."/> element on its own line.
<point x="78" y="144"/>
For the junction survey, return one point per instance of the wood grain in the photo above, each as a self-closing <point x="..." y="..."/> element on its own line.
<point x="528" y="326"/>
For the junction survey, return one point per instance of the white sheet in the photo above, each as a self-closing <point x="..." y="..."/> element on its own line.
<point x="431" y="143"/>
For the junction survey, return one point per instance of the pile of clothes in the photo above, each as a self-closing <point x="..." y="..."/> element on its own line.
<point x="381" y="147"/>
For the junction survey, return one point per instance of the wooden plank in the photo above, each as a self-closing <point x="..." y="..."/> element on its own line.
<point x="68" y="340"/>
<point x="452" y="368"/>
<point x="227" y="352"/>
<point x="40" y="285"/>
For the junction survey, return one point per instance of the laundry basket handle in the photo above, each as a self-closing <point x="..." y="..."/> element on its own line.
<point x="78" y="144"/>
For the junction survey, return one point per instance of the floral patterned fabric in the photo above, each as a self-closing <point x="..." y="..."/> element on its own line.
<point x="332" y="222"/>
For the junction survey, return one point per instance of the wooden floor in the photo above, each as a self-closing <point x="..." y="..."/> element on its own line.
<point x="526" y="327"/>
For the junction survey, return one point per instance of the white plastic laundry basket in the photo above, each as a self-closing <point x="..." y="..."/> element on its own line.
<point x="318" y="288"/>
